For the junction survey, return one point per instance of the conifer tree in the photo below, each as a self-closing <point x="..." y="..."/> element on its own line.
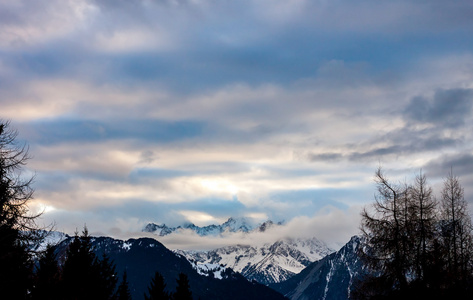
<point x="78" y="268"/>
<point x="85" y="276"/>
<point x="107" y="278"/>
<point x="183" y="291"/>
<point x="15" y="265"/>
<point x="156" y="289"/>
<point x="123" y="292"/>
<point x="47" y="276"/>
<point x="17" y="226"/>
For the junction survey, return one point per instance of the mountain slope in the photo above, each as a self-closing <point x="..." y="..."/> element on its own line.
<point x="330" y="278"/>
<point x="270" y="263"/>
<point x="143" y="257"/>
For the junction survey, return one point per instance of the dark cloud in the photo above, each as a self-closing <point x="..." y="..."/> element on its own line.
<point x="411" y="142"/>
<point x="445" y="108"/>
<point x="325" y="157"/>
<point x="402" y="143"/>
<point x="461" y="164"/>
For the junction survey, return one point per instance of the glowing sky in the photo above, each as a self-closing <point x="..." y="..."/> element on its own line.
<point x="198" y="110"/>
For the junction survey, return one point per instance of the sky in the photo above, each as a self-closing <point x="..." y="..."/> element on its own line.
<point x="173" y="111"/>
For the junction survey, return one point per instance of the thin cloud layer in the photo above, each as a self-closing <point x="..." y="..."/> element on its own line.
<point x="171" y="111"/>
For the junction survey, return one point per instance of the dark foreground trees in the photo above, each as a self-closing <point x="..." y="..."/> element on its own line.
<point x="47" y="278"/>
<point x="157" y="289"/>
<point x="85" y="276"/>
<point x="17" y="227"/>
<point x="123" y="292"/>
<point x="183" y="291"/>
<point x="414" y="245"/>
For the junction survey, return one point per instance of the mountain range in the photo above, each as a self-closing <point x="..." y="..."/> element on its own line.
<point x="269" y="263"/>
<point x="231" y="225"/>
<point x="142" y="257"/>
<point x="299" y="268"/>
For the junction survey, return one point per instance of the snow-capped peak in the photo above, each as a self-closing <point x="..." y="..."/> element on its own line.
<point x="236" y="225"/>
<point x="231" y="225"/>
<point x="269" y="263"/>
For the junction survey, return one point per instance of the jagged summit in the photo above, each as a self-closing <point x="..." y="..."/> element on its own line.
<point x="231" y="225"/>
<point x="268" y="263"/>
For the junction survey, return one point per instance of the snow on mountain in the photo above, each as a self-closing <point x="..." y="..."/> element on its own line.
<point x="266" y="262"/>
<point x="50" y="238"/>
<point x="213" y="270"/>
<point x="231" y="225"/>
<point x="160" y="230"/>
<point x="142" y="257"/>
<point x="269" y="263"/>
<point x="329" y="278"/>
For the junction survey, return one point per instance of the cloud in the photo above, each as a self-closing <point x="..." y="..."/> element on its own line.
<point x="460" y="163"/>
<point x="333" y="226"/>
<point x="446" y="108"/>
<point x="27" y="24"/>
<point x="141" y="110"/>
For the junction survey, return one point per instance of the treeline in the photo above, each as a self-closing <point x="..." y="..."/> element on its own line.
<point x="83" y="275"/>
<point x="417" y="245"/>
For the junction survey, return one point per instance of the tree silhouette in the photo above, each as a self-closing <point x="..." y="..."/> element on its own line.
<point x="157" y="287"/>
<point x="107" y="278"/>
<point x="84" y="276"/>
<point x="183" y="291"/>
<point x="17" y="227"/>
<point x="15" y="265"/>
<point x="78" y="269"/>
<point x="123" y="292"/>
<point x="414" y="247"/>
<point x="456" y="232"/>
<point x="385" y="228"/>
<point x="422" y="219"/>
<point x="46" y="285"/>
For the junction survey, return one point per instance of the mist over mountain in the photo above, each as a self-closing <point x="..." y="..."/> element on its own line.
<point x="298" y="268"/>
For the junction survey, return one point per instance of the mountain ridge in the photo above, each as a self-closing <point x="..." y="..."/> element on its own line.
<point x="333" y="277"/>
<point x="243" y="225"/>
<point x="269" y="263"/>
<point x="142" y="257"/>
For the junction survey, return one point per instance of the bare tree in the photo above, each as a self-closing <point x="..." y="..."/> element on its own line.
<point x="456" y="229"/>
<point x="415" y="247"/>
<point x="423" y="219"/>
<point x="384" y="230"/>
